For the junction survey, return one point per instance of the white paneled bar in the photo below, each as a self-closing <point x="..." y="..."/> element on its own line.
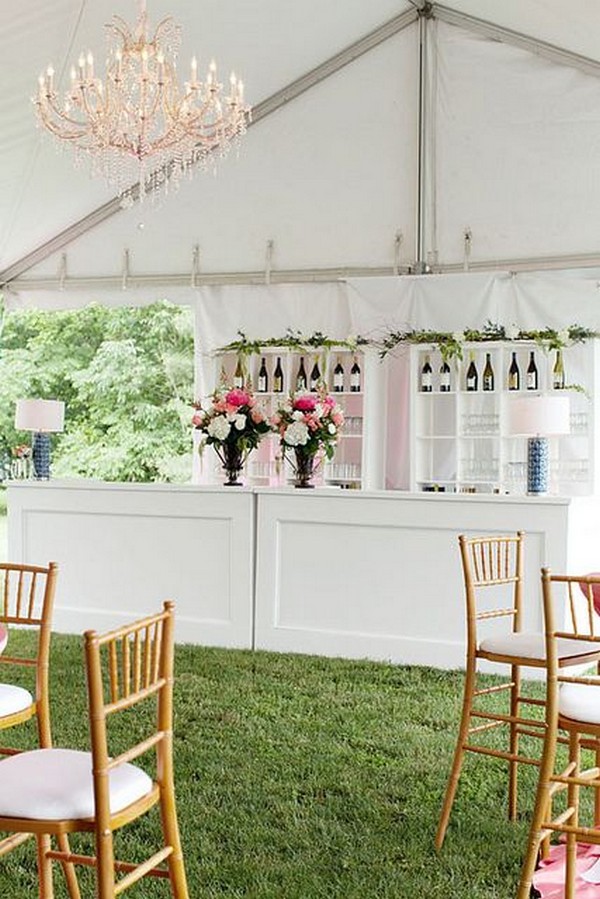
<point x="358" y="574"/>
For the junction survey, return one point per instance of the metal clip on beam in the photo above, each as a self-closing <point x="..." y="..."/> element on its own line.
<point x="269" y="261"/>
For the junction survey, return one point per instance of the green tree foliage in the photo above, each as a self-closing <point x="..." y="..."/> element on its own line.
<point x="126" y="376"/>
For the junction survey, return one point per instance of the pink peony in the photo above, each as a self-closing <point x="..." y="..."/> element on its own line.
<point x="237" y="397"/>
<point x="305" y="403"/>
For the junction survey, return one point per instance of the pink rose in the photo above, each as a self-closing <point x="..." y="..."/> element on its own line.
<point x="276" y="420"/>
<point x="338" y="419"/>
<point x="305" y="403"/>
<point x="220" y="406"/>
<point x="328" y="402"/>
<point x="237" y="397"/>
<point x="198" y="419"/>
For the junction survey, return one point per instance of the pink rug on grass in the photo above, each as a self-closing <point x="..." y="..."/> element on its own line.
<point x="549" y="879"/>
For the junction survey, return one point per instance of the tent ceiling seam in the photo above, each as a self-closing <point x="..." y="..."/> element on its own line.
<point x="263" y="109"/>
<point x="553" y="52"/>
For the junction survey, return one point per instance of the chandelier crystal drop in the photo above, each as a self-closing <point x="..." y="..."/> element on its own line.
<point x="141" y="131"/>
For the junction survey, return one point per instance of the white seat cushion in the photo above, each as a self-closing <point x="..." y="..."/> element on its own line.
<point x="13" y="699"/>
<point x="53" y="784"/>
<point x="533" y="646"/>
<point x="580" y="701"/>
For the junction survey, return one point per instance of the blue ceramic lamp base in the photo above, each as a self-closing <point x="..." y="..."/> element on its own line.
<point x="40" y="453"/>
<point x="537" y="466"/>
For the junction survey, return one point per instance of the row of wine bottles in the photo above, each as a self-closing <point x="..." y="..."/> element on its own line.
<point x="488" y="379"/>
<point x="301" y="380"/>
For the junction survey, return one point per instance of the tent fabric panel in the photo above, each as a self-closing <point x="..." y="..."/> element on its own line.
<point x="329" y="178"/>
<point x="517" y="143"/>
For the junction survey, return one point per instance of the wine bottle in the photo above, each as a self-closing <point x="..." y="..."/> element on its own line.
<point x="532" y="373"/>
<point x="488" y="373"/>
<point x="278" y="377"/>
<point x="445" y="373"/>
<point x="263" y="378"/>
<point x="355" y="377"/>
<point x="301" y="376"/>
<point x="558" y="372"/>
<point x="472" y="376"/>
<point x="238" y="375"/>
<point x="426" y="373"/>
<point x="338" y="377"/>
<point x="315" y="376"/>
<point x="514" y="376"/>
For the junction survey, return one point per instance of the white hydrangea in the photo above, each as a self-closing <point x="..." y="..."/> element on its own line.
<point x="297" y="415"/>
<point x="563" y="336"/>
<point x="239" y="422"/>
<point x="296" y="434"/>
<point x="512" y="331"/>
<point x="219" y="427"/>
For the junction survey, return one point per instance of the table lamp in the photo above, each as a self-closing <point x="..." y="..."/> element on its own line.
<point x="537" y="418"/>
<point x="42" y="418"/>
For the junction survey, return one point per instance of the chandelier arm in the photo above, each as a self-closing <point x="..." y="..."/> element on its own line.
<point x="63" y="119"/>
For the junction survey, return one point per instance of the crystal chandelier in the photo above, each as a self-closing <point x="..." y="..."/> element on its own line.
<point x="140" y="130"/>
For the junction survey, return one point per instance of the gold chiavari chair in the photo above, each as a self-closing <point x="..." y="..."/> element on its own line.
<point x="494" y="565"/>
<point x="572" y="706"/>
<point x="27" y="593"/>
<point x="54" y="792"/>
<point x="27" y="602"/>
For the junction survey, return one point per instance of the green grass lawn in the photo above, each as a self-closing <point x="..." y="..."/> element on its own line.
<point x="310" y="778"/>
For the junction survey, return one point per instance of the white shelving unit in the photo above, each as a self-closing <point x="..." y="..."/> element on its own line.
<point x="459" y="441"/>
<point x="359" y="458"/>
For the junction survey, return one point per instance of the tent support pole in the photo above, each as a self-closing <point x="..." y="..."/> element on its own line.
<point x="420" y="266"/>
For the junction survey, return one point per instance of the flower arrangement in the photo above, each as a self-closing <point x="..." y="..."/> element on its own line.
<point x="307" y="423"/>
<point x="233" y="424"/>
<point x="22" y="451"/>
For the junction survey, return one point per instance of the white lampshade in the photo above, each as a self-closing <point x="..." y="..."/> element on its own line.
<point x="40" y="415"/>
<point x="538" y="416"/>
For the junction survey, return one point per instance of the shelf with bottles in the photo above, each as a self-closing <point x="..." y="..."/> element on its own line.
<point x="467" y="423"/>
<point x="351" y="377"/>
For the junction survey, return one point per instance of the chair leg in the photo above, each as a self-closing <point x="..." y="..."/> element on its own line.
<point x="105" y="865"/>
<point x="69" y="869"/>
<point x="540" y="814"/>
<point x="168" y="814"/>
<point x="573" y="802"/>
<point x="459" y="754"/>
<point x="514" y="743"/>
<point x="46" y="886"/>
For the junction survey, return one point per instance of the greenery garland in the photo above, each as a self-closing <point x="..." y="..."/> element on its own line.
<point x="293" y="340"/>
<point x="450" y="344"/>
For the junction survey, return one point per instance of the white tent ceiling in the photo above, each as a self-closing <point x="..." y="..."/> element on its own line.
<point x="511" y="143"/>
